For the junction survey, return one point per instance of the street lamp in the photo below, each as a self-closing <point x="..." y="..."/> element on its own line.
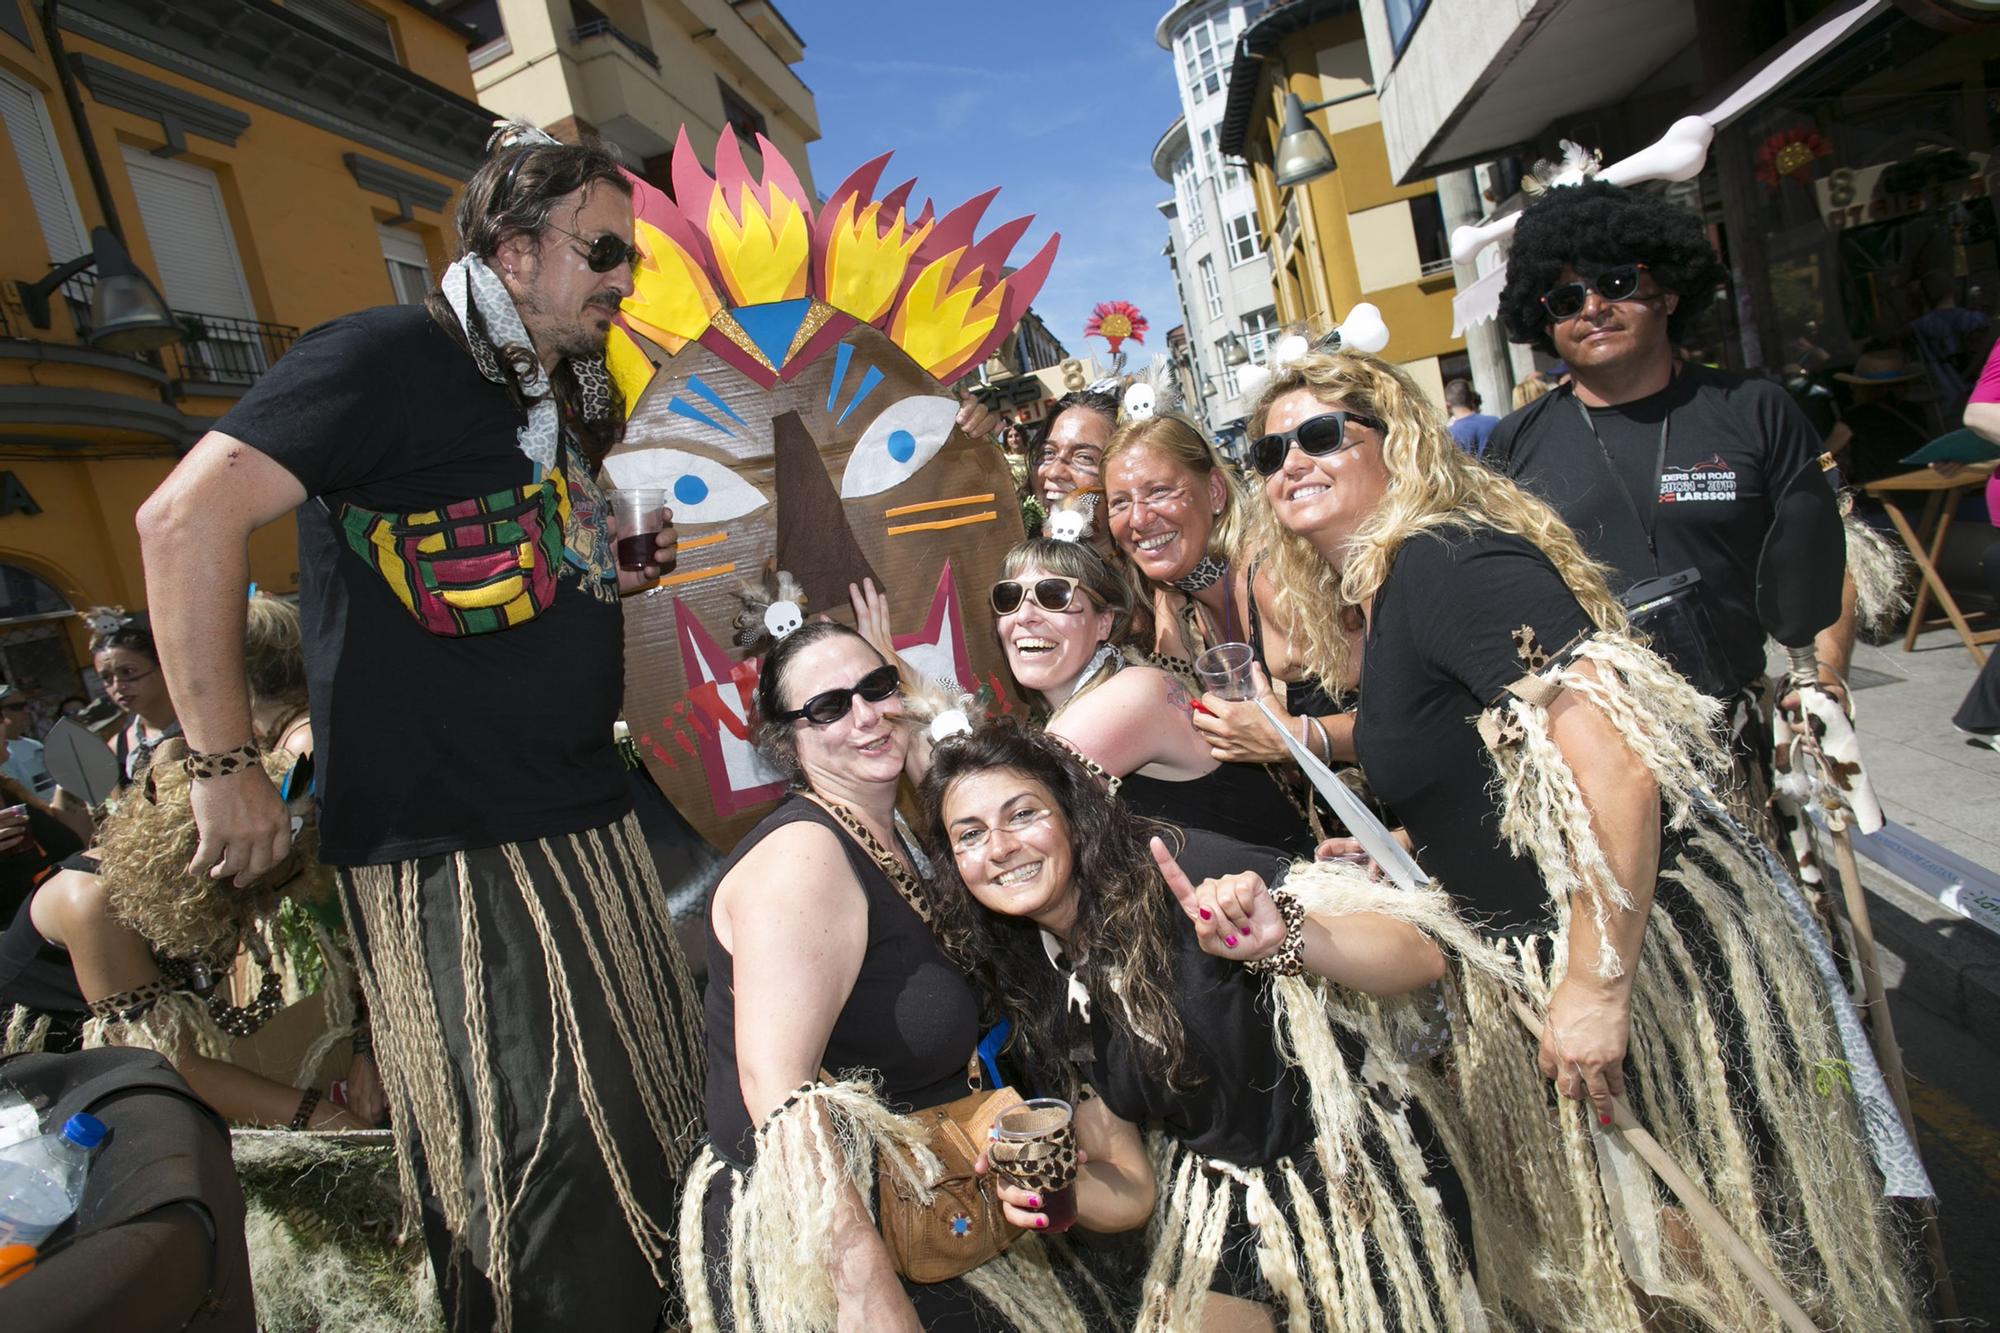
<point x="1234" y="353"/>
<point x="127" y="312"/>
<point x="1303" y="152"/>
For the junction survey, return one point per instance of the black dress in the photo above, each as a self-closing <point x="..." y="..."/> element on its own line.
<point x="1240" y="801"/>
<point x="911" y="1017"/>
<point x="1243" y="1103"/>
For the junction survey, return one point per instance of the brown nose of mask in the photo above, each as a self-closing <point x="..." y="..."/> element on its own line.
<point x="814" y="540"/>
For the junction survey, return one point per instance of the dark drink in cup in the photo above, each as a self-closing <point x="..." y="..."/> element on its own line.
<point x="638" y="514"/>
<point x="1034" y="1148"/>
<point x="639" y="551"/>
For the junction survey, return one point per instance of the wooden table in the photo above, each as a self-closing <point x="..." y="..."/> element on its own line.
<point x="1942" y="495"/>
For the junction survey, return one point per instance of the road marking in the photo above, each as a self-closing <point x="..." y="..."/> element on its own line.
<point x="1954" y="1122"/>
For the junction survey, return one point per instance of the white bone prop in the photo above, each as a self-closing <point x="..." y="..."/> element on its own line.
<point x="1677" y="155"/>
<point x="1363" y="330"/>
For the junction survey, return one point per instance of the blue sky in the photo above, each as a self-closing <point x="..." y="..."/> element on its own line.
<point x="1059" y="104"/>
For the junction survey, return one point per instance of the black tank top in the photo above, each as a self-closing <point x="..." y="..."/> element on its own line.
<point x="1240" y="801"/>
<point x="911" y="1016"/>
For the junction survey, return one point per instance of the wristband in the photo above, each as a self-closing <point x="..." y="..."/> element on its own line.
<point x="303" y="1116"/>
<point x="1325" y="741"/>
<point x="220" y="763"/>
<point x="1289" y="959"/>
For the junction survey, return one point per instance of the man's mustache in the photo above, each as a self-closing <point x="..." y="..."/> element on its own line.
<point x="608" y="300"/>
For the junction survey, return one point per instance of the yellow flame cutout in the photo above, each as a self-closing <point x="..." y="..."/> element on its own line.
<point x="762" y="255"/>
<point x="864" y="263"/>
<point x="672" y="299"/>
<point x="939" y="322"/>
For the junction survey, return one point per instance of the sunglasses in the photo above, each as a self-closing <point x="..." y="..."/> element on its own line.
<point x="1318" y="436"/>
<point x="824" y="710"/>
<point x="1054" y="593"/>
<point x="1567" y="300"/>
<point x="604" y="253"/>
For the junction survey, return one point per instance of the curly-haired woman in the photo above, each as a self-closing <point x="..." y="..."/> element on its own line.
<point x="1292" y="1187"/>
<point x="1549" y="772"/>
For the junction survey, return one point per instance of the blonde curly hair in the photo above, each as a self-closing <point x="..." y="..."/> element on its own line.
<point x="145" y="846"/>
<point x="1433" y="485"/>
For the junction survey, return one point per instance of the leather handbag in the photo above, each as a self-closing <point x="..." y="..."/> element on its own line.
<point x="962" y="1226"/>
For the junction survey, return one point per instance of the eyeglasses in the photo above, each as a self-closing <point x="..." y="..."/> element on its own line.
<point x="1054" y="593"/>
<point x="603" y="253"/>
<point x="972" y="839"/>
<point x="1318" y="436"/>
<point x="1567" y="300"/>
<point x="1155" y="498"/>
<point x="126" y="677"/>
<point x="824" y="710"/>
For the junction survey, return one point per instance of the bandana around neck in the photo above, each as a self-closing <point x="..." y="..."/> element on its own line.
<point x="470" y="288"/>
<point x="1205" y="573"/>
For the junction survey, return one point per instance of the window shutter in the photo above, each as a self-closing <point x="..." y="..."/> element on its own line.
<point x="364" y="28"/>
<point x="192" y="243"/>
<point x="409" y="265"/>
<point x="28" y="127"/>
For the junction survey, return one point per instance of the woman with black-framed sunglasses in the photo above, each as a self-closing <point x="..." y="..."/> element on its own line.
<point x="1555" y="776"/>
<point x="822" y="963"/>
<point x="1064" y="619"/>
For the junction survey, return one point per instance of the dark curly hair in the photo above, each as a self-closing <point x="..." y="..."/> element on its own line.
<point x="1595" y="226"/>
<point x="774" y="740"/>
<point x="1123" y="915"/>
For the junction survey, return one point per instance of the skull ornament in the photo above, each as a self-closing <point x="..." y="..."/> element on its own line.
<point x="784" y="380"/>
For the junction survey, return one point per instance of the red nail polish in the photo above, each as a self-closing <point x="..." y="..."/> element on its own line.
<point x="1034" y="1201"/>
<point x="1199" y="707"/>
<point x="1041" y="1224"/>
<point x="1229" y="942"/>
<point x="1603" y="1119"/>
<point x="1205" y="913"/>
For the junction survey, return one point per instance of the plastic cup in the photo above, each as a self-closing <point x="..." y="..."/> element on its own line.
<point x="1224" y="671"/>
<point x="1034" y="1148"/>
<point x="637" y="517"/>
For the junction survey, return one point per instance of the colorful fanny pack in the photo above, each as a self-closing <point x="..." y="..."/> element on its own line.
<point x="472" y="567"/>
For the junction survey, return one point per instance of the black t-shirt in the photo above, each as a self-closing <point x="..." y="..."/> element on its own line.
<point x="425" y="743"/>
<point x="1732" y="445"/>
<point x="1245" y="1104"/>
<point x="1440" y="649"/>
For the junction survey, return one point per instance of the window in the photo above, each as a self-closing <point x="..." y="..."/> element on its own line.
<point x="1258" y="326"/>
<point x="1194" y="218"/>
<point x="1211" y="163"/>
<point x="1403" y="16"/>
<point x="409" y="265"/>
<point x="1244" y="244"/>
<point x="1210" y="288"/>
<point x="1433" y="237"/>
<point x="363" y="27"/>
<point x="1231" y="386"/>
<point x="194" y="248"/>
<point x="740" y="116"/>
<point x="1198" y="58"/>
<point x="27" y="121"/>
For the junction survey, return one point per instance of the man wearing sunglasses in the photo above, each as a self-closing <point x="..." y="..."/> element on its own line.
<point x="472" y="799"/>
<point x="1660" y="466"/>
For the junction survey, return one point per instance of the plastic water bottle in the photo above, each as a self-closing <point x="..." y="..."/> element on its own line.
<point x="41" y="1181"/>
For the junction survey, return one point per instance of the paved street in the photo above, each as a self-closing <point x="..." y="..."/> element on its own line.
<point x="1942" y="971"/>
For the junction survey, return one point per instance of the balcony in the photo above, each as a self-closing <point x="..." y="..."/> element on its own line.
<point x="606" y="28"/>
<point x="223" y="352"/>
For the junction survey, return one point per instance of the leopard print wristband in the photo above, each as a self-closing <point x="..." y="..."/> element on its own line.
<point x="1289" y="960"/>
<point x="220" y="763"/>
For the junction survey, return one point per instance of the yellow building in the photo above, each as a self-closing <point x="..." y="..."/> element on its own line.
<point x="1351" y="234"/>
<point x="634" y="72"/>
<point x="269" y="168"/>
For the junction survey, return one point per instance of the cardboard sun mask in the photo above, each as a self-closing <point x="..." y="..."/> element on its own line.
<point x="784" y="381"/>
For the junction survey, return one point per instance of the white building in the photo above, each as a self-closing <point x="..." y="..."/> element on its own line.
<point x="1220" y="268"/>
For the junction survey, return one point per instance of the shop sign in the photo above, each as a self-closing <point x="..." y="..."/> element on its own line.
<point x="14" y="497"/>
<point x="1853" y="197"/>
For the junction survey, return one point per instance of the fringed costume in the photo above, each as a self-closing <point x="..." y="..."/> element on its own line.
<point x="534" y="1025"/>
<point x="1293" y="1170"/>
<point x="1735" y="1063"/>
<point x="757" y="1221"/>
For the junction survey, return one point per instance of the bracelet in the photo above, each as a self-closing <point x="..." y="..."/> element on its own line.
<point x="1325" y="741"/>
<point x="303" y="1116"/>
<point x="1289" y="960"/>
<point x="220" y="763"/>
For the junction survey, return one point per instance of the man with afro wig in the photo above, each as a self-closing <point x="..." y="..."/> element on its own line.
<point x="1660" y="465"/>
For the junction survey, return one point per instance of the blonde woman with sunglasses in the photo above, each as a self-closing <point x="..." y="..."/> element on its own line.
<point x="1552" y="773"/>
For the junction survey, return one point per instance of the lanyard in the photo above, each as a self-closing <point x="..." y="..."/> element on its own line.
<point x="1647" y="517"/>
